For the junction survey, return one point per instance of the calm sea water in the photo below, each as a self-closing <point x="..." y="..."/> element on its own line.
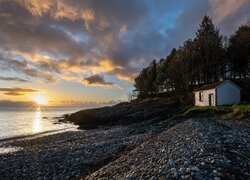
<point x="22" y="122"/>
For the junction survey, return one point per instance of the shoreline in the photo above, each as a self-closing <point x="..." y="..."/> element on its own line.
<point x="78" y="152"/>
<point x="36" y="135"/>
<point x="149" y="139"/>
<point x="172" y="148"/>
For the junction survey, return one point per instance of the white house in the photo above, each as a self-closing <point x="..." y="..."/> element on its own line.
<point x="216" y="94"/>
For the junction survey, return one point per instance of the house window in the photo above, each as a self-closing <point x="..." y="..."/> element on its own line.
<point x="201" y="97"/>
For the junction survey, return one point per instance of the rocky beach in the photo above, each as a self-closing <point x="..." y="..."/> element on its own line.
<point x="150" y="139"/>
<point x="192" y="148"/>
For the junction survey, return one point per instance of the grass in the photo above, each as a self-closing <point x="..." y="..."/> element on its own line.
<point x="226" y="112"/>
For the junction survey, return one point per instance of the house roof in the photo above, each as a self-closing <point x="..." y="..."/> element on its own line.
<point x="214" y="85"/>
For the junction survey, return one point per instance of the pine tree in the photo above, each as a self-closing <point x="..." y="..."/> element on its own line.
<point x="239" y="52"/>
<point x="162" y="79"/>
<point x="152" y="77"/>
<point x="209" y="51"/>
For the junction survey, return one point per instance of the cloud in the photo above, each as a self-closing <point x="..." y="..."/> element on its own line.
<point x="13" y="79"/>
<point x="61" y="38"/>
<point x="14" y="104"/>
<point x="24" y="67"/>
<point x="76" y="42"/>
<point x="17" y="91"/>
<point x="35" y="7"/>
<point x="222" y="9"/>
<point x="96" y="80"/>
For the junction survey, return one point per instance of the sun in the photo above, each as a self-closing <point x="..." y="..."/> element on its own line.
<point x="40" y="100"/>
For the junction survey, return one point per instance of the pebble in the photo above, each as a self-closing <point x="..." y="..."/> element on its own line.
<point x="163" y="150"/>
<point x="194" y="168"/>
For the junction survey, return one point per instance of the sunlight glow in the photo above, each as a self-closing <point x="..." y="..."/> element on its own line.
<point x="40" y="100"/>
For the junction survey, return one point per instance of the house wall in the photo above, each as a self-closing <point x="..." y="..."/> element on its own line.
<point x="205" y="101"/>
<point x="228" y="94"/>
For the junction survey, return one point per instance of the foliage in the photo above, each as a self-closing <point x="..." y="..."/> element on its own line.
<point x="237" y="111"/>
<point x="130" y="96"/>
<point x="239" y="52"/>
<point x="146" y="80"/>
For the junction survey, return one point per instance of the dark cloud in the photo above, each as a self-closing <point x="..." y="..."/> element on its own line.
<point x="17" y="91"/>
<point x="96" y="80"/>
<point x="24" y="32"/>
<point x="29" y="28"/>
<point x="14" y="104"/>
<point x="48" y="39"/>
<point x="13" y="79"/>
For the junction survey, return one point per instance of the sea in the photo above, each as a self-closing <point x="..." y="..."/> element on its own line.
<point x="25" y="122"/>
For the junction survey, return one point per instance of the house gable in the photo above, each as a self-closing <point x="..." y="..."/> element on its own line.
<point x="215" y="85"/>
<point x="228" y="81"/>
<point x="228" y="93"/>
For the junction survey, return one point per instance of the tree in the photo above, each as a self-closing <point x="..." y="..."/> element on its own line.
<point x="142" y="83"/>
<point x="145" y="82"/>
<point x="162" y="79"/>
<point x="152" y="77"/>
<point x="188" y="54"/>
<point x="178" y="71"/>
<point x="130" y="96"/>
<point x="210" y="51"/>
<point x="238" y="52"/>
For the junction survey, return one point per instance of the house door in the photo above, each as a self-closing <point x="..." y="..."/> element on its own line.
<point x="211" y="99"/>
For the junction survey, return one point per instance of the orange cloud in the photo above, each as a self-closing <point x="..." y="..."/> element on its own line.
<point x="127" y="78"/>
<point x="58" y="9"/>
<point x="17" y="91"/>
<point x="65" y="11"/>
<point x="36" y="7"/>
<point x="33" y="57"/>
<point x="106" y="65"/>
<point x="70" y="71"/>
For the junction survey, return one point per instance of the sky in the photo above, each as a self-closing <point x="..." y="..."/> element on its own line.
<point x="89" y="51"/>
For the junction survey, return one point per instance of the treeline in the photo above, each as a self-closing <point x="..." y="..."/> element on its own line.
<point x="202" y="60"/>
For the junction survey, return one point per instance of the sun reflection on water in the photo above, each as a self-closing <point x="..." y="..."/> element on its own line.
<point x="37" y="124"/>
